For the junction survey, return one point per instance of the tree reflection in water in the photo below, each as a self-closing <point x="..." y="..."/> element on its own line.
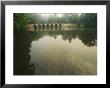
<point x="87" y="36"/>
<point x="22" y="44"/>
<point x="23" y="40"/>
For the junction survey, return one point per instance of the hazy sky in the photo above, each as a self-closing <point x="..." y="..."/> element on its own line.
<point x="57" y="14"/>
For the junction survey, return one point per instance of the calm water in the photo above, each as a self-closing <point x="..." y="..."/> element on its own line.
<point x="56" y="52"/>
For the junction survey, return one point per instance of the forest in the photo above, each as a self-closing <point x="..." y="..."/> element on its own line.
<point x="85" y="20"/>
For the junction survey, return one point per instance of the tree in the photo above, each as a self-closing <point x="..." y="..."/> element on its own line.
<point x="20" y="20"/>
<point x="89" y="19"/>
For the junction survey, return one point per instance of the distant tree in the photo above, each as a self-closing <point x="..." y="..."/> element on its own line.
<point x="89" y="19"/>
<point x="85" y="19"/>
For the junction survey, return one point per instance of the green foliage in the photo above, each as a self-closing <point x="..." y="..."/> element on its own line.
<point x="89" y="19"/>
<point x="51" y="19"/>
<point x="19" y="21"/>
<point x="33" y="18"/>
<point x="82" y="20"/>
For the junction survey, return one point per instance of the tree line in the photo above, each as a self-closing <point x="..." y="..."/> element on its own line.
<point x="82" y="20"/>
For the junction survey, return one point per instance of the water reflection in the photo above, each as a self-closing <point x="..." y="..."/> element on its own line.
<point x="55" y="52"/>
<point x="88" y="37"/>
<point x="22" y="64"/>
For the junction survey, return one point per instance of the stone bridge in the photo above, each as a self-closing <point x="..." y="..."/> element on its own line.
<point x="47" y="26"/>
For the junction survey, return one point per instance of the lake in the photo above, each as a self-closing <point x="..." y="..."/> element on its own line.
<point x="62" y="52"/>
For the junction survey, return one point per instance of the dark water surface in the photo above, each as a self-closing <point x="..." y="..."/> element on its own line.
<point x="72" y="52"/>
